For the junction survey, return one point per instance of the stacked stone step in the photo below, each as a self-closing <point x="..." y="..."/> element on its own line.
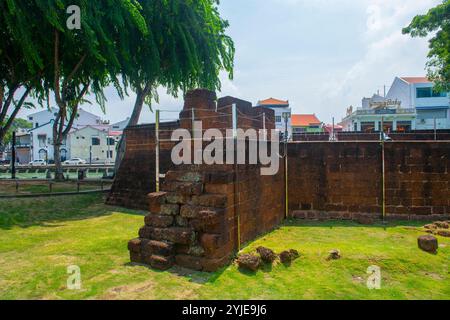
<point x="186" y="226"/>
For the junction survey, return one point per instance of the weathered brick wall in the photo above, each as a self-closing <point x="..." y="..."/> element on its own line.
<point x="135" y="178"/>
<point x="203" y="213"/>
<point x="260" y="201"/>
<point x="425" y="135"/>
<point x="344" y="179"/>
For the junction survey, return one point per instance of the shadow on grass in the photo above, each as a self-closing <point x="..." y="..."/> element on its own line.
<point x="191" y="275"/>
<point x="31" y="212"/>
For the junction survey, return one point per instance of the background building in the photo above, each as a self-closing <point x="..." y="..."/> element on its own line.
<point x="95" y="144"/>
<point x="282" y="110"/>
<point x="120" y="126"/>
<point x="410" y="104"/>
<point x="376" y="113"/>
<point x="90" y="138"/>
<point x="418" y="93"/>
<point x="306" y="123"/>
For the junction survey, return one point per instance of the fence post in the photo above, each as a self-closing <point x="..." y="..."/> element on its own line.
<point x="264" y="126"/>
<point x="157" y="149"/>
<point x="286" y="182"/>
<point x="237" y="196"/>
<point x="435" y="129"/>
<point x="383" y="179"/>
<point x="13" y="156"/>
<point x="192" y="122"/>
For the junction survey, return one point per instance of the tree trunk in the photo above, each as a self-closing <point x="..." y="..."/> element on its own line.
<point x="57" y="141"/>
<point x="141" y="94"/>
<point x="59" y="173"/>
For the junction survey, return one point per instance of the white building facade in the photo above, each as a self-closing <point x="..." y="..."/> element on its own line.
<point x="95" y="144"/>
<point x="282" y="111"/>
<point x="410" y="104"/>
<point x="41" y="135"/>
<point x="430" y="106"/>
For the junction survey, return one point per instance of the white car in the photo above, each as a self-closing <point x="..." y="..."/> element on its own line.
<point x="75" y="161"/>
<point x="37" y="163"/>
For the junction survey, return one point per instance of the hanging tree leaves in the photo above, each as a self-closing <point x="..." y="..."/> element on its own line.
<point x="137" y="44"/>
<point x="436" y="22"/>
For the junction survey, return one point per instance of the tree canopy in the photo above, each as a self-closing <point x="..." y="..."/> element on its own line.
<point x="17" y="124"/>
<point x="137" y="44"/>
<point x="185" y="47"/>
<point x="436" y="22"/>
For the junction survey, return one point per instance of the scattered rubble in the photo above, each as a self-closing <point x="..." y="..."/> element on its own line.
<point x="441" y="228"/>
<point x="428" y="243"/>
<point x="441" y="224"/>
<point x="249" y="262"/>
<point x="267" y="255"/>
<point x="444" y="233"/>
<point x="334" y="255"/>
<point x="294" y="254"/>
<point x="285" y="257"/>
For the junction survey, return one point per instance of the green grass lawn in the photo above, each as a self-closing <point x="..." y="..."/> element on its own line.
<point x="40" y="238"/>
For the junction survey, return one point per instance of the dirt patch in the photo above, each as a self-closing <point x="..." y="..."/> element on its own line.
<point x="138" y="291"/>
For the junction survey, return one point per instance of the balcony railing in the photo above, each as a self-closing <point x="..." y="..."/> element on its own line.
<point x="362" y="112"/>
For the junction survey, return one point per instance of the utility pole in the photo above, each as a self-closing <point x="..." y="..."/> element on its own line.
<point x="13" y="156"/>
<point x="435" y="129"/>
<point x="333" y="133"/>
<point x="286" y="119"/>
<point x="157" y="173"/>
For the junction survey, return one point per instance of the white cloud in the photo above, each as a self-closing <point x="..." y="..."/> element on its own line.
<point x="388" y="53"/>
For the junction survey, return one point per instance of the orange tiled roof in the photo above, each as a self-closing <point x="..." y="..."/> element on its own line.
<point x="272" y="101"/>
<point x="416" y="79"/>
<point x="304" y="120"/>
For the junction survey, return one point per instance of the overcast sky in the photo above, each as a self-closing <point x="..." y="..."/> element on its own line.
<point x="321" y="55"/>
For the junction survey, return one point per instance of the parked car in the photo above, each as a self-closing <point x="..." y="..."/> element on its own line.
<point x="75" y="161"/>
<point x="37" y="163"/>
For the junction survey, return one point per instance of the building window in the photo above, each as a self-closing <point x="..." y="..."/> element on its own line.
<point x="95" y="141"/>
<point x="404" y="126"/>
<point x="277" y="118"/>
<point x="387" y="126"/>
<point x="429" y="92"/>
<point x="42" y="154"/>
<point x="111" y="141"/>
<point x="37" y="124"/>
<point x="42" y="139"/>
<point x="367" y="126"/>
<point x="299" y="130"/>
<point x="63" y="155"/>
<point x="109" y="154"/>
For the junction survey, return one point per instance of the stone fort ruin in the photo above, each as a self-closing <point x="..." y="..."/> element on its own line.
<point x="203" y="214"/>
